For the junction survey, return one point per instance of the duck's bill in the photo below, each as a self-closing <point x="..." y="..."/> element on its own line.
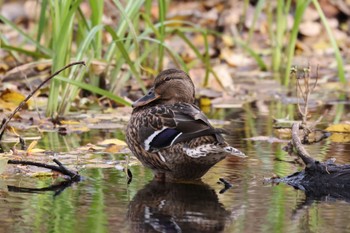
<point x="148" y="98"/>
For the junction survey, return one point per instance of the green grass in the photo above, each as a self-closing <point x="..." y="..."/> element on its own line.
<point x="138" y="44"/>
<point x="64" y="34"/>
<point x="299" y="13"/>
<point x="282" y="40"/>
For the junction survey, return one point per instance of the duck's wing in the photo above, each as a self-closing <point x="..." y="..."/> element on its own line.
<point x="167" y="125"/>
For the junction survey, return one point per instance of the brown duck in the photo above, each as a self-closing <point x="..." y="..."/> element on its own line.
<point x="170" y="135"/>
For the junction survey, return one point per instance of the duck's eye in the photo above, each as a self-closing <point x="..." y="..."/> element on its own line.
<point x="149" y="93"/>
<point x="167" y="79"/>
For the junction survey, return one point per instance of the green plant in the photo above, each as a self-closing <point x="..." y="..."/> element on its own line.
<point x="284" y="41"/>
<point x="138" y="45"/>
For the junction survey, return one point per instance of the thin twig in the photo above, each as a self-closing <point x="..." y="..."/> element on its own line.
<point x="316" y="81"/>
<point x="20" y="106"/>
<point x="72" y="175"/>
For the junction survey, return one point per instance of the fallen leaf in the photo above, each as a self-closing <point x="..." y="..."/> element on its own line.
<point x="283" y="133"/>
<point x="235" y="59"/>
<point x="340" y="128"/>
<point x="31" y="146"/>
<point x="310" y="28"/>
<point x="114" y="141"/>
<point x="3" y="164"/>
<point x="340" y="137"/>
<point x="63" y="122"/>
<point x="10" y="99"/>
<point x="113" y="148"/>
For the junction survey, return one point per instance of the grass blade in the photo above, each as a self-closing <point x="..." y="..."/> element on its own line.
<point x="340" y="63"/>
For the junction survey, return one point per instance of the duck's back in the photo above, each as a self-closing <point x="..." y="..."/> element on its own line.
<point x="174" y="139"/>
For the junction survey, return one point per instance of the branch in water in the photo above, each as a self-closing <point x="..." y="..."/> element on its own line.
<point x="73" y="176"/>
<point x="302" y="153"/>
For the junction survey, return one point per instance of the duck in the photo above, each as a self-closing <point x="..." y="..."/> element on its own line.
<point x="170" y="135"/>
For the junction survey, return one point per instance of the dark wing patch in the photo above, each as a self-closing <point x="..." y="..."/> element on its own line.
<point x="176" y="123"/>
<point x="155" y="119"/>
<point x="193" y="123"/>
<point x="164" y="138"/>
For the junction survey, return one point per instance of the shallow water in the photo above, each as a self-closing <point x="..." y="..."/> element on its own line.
<point x="104" y="202"/>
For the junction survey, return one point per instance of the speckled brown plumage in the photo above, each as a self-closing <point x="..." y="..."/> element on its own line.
<point x="170" y="135"/>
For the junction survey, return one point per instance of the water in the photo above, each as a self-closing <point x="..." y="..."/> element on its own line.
<point x="104" y="202"/>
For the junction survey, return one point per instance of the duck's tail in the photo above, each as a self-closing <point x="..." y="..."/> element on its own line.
<point x="233" y="151"/>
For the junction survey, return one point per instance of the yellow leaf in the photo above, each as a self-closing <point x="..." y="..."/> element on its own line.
<point x="79" y="129"/>
<point x="37" y="150"/>
<point x="204" y="101"/>
<point x="340" y="128"/>
<point x="113" y="148"/>
<point x="113" y="141"/>
<point x="340" y="137"/>
<point x="14" y="97"/>
<point x="42" y="67"/>
<point x="31" y="146"/>
<point x="4" y="68"/>
<point x="8" y="106"/>
<point x="63" y="122"/>
<point x="41" y="174"/>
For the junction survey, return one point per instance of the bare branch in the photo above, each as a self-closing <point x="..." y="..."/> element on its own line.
<point x="20" y="106"/>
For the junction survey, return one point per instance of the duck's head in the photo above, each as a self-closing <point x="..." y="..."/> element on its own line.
<point x="170" y="86"/>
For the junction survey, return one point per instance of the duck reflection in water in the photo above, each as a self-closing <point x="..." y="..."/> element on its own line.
<point x="177" y="207"/>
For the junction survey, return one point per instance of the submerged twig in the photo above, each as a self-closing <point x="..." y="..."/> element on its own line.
<point x="73" y="176"/>
<point x="20" y="106"/>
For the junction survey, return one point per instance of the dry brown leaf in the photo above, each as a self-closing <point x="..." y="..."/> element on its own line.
<point x="310" y="28"/>
<point x="285" y="133"/>
<point x="235" y="59"/>
<point x="310" y="14"/>
<point x="28" y="70"/>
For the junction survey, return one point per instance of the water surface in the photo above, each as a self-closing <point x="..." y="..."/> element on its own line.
<point x="104" y="202"/>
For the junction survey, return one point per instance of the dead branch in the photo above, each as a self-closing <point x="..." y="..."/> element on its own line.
<point x="20" y="106"/>
<point x="302" y="153"/>
<point x="73" y="176"/>
<point x="304" y="92"/>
